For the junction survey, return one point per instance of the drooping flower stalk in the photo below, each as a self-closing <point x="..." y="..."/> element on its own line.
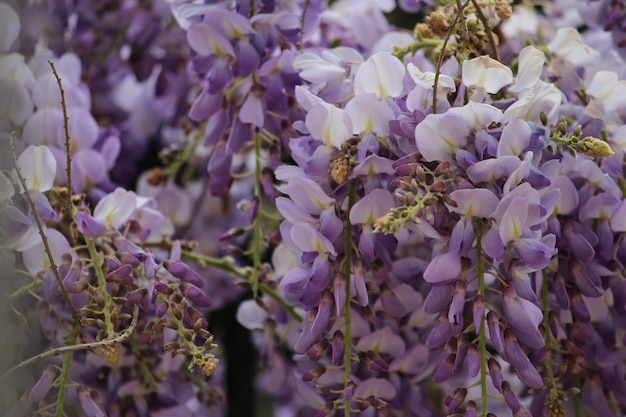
<point x="482" y="332"/>
<point x="347" y="314"/>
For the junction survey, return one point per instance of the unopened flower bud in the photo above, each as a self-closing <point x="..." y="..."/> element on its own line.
<point x="455" y="313"/>
<point x="445" y="370"/>
<point x="448" y="349"/>
<point x="232" y="234"/>
<point x="76" y="287"/>
<point x="579" y="308"/>
<point x="470" y="409"/>
<point x="390" y="301"/>
<point x="509" y="396"/>
<point x="43" y="385"/>
<point x="338" y="346"/>
<point x="376" y="402"/>
<point x="597" y="148"/>
<point x="461" y="351"/>
<point x="440" y="333"/>
<point x="513" y="352"/>
<point x="326" y="410"/>
<point x="184" y="272"/>
<point x="199" y="324"/>
<point x="125" y="246"/>
<point x="455" y="399"/>
<point x="378" y="363"/>
<point x="495" y="334"/>
<point x="121" y="274"/>
<point x="478" y="312"/>
<point x="473" y="360"/>
<point x="438" y="186"/>
<point x="322" y="389"/>
<point x="313" y="374"/>
<point x="163" y="288"/>
<point x="318" y="350"/>
<point x="135" y="297"/>
<point x="495" y="372"/>
<point x="196" y="295"/>
<point x="90" y="403"/>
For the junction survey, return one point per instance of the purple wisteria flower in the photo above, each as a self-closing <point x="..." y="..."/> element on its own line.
<point x="296" y="200"/>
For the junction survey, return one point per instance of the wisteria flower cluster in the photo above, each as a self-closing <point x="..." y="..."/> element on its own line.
<point x="309" y="208"/>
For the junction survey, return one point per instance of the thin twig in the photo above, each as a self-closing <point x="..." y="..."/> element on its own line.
<point x="440" y="60"/>
<point x="44" y="238"/>
<point x="307" y="3"/>
<point x="68" y="154"/>
<point x="490" y="35"/>
<point x="81" y="346"/>
<point x="461" y="16"/>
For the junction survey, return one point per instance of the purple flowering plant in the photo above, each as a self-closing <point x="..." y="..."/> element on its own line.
<point x="300" y="208"/>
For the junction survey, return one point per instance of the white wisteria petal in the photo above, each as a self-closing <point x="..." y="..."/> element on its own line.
<point x="38" y="167"/>
<point x="329" y="124"/>
<point x="445" y="83"/>
<point x="369" y="115"/>
<point x="382" y="74"/>
<point x="569" y="45"/>
<point x="486" y="73"/>
<point x="9" y="26"/>
<point x="6" y="188"/>
<point x="250" y="315"/>
<point x="306" y="99"/>
<point x="116" y="208"/>
<point x="13" y="67"/>
<point x="315" y="69"/>
<point x="531" y="62"/>
<point x="16" y="104"/>
<point x="514" y="139"/>
<point x="513" y="222"/>
<point x="544" y="97"/>
<point x="439" y="136"/>
<point x="36" y="259"/>
<point x="608" y="89"/>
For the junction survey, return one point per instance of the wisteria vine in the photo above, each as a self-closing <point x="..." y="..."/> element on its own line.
<point x="313" y="208"/>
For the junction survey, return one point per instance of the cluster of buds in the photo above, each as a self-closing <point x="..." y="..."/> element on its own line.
<point x="419" y="190"/>
<point x="588" y="145"/>
<point x="469" y="26"/>
<point x="177" y="310"/>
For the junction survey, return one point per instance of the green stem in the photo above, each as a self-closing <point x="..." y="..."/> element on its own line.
<point x="416" y="46"/>
<point x="307" y="3"/>
<point x="26" y="288"/>
<point x="482" y="334"/>
<point x="224" y="264"/>
<point x="548" y="334"/>
<point x="347" y="313"/>
<point x="102" y="285"/>
<point x="577" y="405"/>
<point x="256" y="249"/>
<point x="63" y="381"/>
